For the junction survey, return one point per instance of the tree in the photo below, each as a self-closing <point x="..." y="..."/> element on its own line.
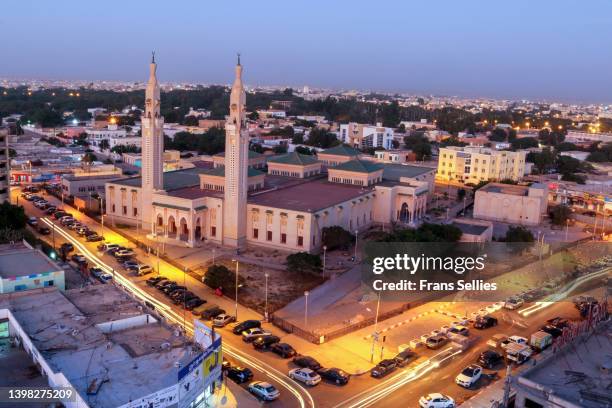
<point x="120" y="149"/>
<point x="219" y="276"/>
<point x="559" y="214"/>
<point x="566" y="147"/>
<point x="419" y="144"/>
<point x="81" y="139"/>
<point x="543" y="161"/>
<point x="460" y="194"/>
<point x="104" y="144"/>
<point x="524" y="143"/>
<point x="280" y="149"/>
<point x="89" y="158"/>
<point x="304" y="150"/>
<point x="303" y="262"/>
<point x="12" y="216"/>
<point x="253" y="116"/>
<point x="390" y="114"/>
<point x="336" y="237"/>
<point x="298" y="138"/>
<point x="519" y="238"/>
<point x="190" y="121"/>
<point x="321" y="138"/>
<point x="498" y="135"/>
<point x="256" y="147"/>
<point x="425" y="233"/>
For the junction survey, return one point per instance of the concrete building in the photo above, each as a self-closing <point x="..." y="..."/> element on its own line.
<point x="294" y="165"/>
<point x="366" y="136"/>
<point x="25" y="268"/>
<point x="113" y="350"/>
<point x="84" y="185"/>
<point x="5" y="166"/>
<point x="256" y="160"/>
<point x="474" y="230"/>
<point x="394" y="156"/>
<point x="476" y="164"/>
<point x="514" y="204"/>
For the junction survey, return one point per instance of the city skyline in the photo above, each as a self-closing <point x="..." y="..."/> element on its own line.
<point x="283" y="51"/>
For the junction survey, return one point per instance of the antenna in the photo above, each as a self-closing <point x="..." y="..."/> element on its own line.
<point x="238" y="58"/>
<point x="152" y="57"/>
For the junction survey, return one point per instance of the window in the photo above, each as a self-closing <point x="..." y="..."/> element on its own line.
<point x="532" y="404"/>
<point x="48" y="283"/>
<point x="255" y="233"/>
<point x="135" y="211"/>
<point x="283" y="238"/>
<point x="269" y="235"/>
<point x="113" y="208"/>
<point x="300" y="241"/>
<point x="124" y="209"/>
<point x="213" y="231"/>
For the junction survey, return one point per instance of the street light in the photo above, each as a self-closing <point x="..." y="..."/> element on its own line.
<point x="324" y="253"/>
<point x="306" y="293"/>
<point x="356" y="235"/>
<point x="375" y="334"/>
<point x="236" y="287"/>
<point x="566" y="228"/>
<point x="267" y="275"/>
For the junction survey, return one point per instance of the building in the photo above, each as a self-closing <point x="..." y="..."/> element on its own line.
<point x="474" y="230"/>
<point x="416" y="125"/>
<point x="394" y="156"/>
<point x="25" y="268"/>
<point x="235" y="204"/>
<point x="5" y="166"/>
<point x="207" y="124"/>
<point x="522" y="205"/>
<point x="366" y="136"/>
<point x="112" y="133"/>
<point x="84" y="185"/>
<point x="476" y="164"/>
<point x="113" y="350"/>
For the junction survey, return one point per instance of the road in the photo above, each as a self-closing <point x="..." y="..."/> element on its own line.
<point x="434" y="371"/>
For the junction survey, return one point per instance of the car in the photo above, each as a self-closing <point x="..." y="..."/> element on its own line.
<point x="172" y="287"/>
<point x="67" y="220"/>
<point x="123" y="253"/>
<point x="32" y="221"/>
<point x="383" y="368"/>
<point x="513" y="303"/>
<point x="212" y="312"/>
<point x="112" y="250"/>
<point x="193" y="303"/>
<point x="74" y="225"/>
<point x="104" y="277"/>
<point x="462" y="330"/>
<point x="94" y="238"/>
<point x="283" y="349"/>
<point x="552" y="330"/>
<point x="95" y="272"/>
<point x="436" y="342"/>
<point x="436" y="400"/>
<point x="461" y="322"/>
<point x="484" y="322"/>
<point x="263" y="390"/>
<point x="334" y="375"/>
<point x="559" y="322"/>
<point x="161" y="285"/>
<point x="78" y="258"/>
<point x="222" y="320"/>
<point x="247" y="324"/>
<point x="490" y="358"/>
<point x="67" y="247"/>
<point x="129" y="264"/>
<point x="497" y="340"/>
<point x="107" y="247"/>
<point x="403" y="358"/>
<point x="81" y="230"/>
<point x="305" y="375"/>
<point x="469" y="376"/>
<point x="306" y="361"/>
<point x="513" y="339"/>
<point x="249" y="335"/>
<point x="50" y="210"/>
<point x="44" y="230"/>
<point x="156" y="279"/>
<point x="142" y="270"/>
<point x="264" y="342"/>
<point x="239" y="374"/>
<point x="59" y="214"/>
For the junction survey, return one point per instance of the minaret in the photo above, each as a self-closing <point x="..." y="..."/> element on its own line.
<point x="236" y="166"/>
<point x="152" y="147"/>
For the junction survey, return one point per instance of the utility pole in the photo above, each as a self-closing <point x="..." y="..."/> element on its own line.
<point x="375" y="334"/>
<point x="507" y="386"/>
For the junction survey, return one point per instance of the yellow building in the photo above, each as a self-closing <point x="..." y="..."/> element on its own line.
<point x="476" y="164"/>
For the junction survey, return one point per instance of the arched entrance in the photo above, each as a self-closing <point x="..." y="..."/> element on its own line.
<point x="159" y="224"/>
<point x="171" y="227"/>
<point x="184" y="230"/>
<point x="198" y="230"/>
<point x="404" y="214"/>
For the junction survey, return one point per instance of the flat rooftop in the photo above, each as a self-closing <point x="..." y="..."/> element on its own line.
<point x="509" y="189"/>
<point x="574" y="373"/>
<point x="130" y="363"/>
<point x="394" y="172"/>
<point x="20" y="260"/>
<point x="309" y="196"/>
<point x="468" y="228"/>
<point x="173" y="180"/>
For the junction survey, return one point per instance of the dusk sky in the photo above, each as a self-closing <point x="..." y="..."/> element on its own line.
<point x="556" y="50"/>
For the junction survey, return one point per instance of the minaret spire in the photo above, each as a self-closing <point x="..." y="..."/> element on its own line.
<point x="152" y="57"/>
<point x="238" y="59"/>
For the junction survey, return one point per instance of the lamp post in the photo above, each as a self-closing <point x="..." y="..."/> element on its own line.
<point x="102" y="219"/>
<point x="213" y="259"/>
<point x="267" y="275"/>
<point x="306" y="293"/>
<point x="356" y="235"/>
<point x="236" y="287"/>
<point x="324" y="253"/>
<point x="566" y="228"/>
<point x="375" y="334"/>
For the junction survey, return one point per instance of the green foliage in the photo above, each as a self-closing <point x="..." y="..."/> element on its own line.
<point x="566" y="147"/>
<point x="298" y="138"/>
<point x="280" y="149"/>
<point x="305" y="150"/>
<point x="419" y="144"/>
<point x="53" y="141"/>
<point x="211" y="142"/>
<point x="190" y="121"/>
<point x="559" y="214"/>
<point x="601" y="153"/>
<point x="452" y="141"/>
<point x="542" y="161"/>
<point x="551" y="138"/>
<point x="45" y="117"/>
<point x="287" y="131"/>
<point x="12" y="216"/>
<point x="322" y="138"/>
<point x="525" y="143"/>
<point x="390" y="114"/>
<point x="253" y="116"/>
<point x="336" y="237"/>
<point x="519" y="238"/>
<point x="219" y="276"/>
<point x="498" y="135"/>
<point x="256" y="147"/>
<point x="120" y="149"/>
<point x="104" y="144"/>
<point x="303" y="262"/>
<point x="425" y="233"/>
<point x="89" y="158"/>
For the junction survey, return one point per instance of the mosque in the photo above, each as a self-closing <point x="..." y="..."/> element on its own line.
<point x="235" y="203"/>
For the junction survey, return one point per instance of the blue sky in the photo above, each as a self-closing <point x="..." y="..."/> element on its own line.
<point x="559" y="50"/>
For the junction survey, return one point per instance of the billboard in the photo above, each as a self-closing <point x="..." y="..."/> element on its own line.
<point x="166" y="398"/>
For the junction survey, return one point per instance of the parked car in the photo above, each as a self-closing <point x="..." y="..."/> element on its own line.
<point x="32" y="221"/>
<point x="334" y="375"/>
<point x="469" y="376"/>
<point x="264" y="342"/>
<point x="436" y="342"/>
<point x="490" y="358"/>
<point x="81" y="231"/>
<point x="162" y="284"/>
<point x="247" y="324"/>
<point x="60" y="214"/>
<point x="193" y="303"/>
<point x="123" y="253"/>
<point x="305" y="375"/>
<point x="95" y="272"/>
<point x="513" y="339"/>
<point x="383" y="368"/>
<point x="78" y="258"/>
<point x="263" y="390"/>
<point x="67" y="247"/>
<point x="142" y="270"/>
<point x="513" y="303"/>
<point x="213" y="312"/>
<point x="436" y="400"/>
<point x="107" y="247"/>
<point x="44" y="230"/>
<point x="461" y="330"/>
<point x="239" y="374"/>
<point x="283" y="349"/>
<point x="249" y="335"/>
<point x="484" y="322"/>
<point x="50" y="210"/>
<point x="155" y="280"/>
<point x="129" y="264"/>
<point x="94" y="238"/>
<point x="403" y="358"/>
<point x="306" y="361"/>
<point x="222" y="320"/>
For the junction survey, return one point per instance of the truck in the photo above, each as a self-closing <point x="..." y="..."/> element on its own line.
<point x="540" y="340"/>
<point x="519" y="353"/>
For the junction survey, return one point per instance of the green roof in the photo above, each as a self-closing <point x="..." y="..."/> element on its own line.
<point x="394" y="172"/>
<point x="220" y="172"/>
<point x="294" y="158"/>
<point x="252" y="154"/>
<point x="341" y="150"/>
<point x="172" y="179"/>
<point x="359" y="166"/>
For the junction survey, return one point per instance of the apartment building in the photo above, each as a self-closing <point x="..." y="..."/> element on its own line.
<point x="366" y="136"/>
<point x="476" y="164"/>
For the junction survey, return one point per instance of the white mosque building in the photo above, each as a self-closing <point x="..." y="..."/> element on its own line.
<point x="235" y="204"/>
